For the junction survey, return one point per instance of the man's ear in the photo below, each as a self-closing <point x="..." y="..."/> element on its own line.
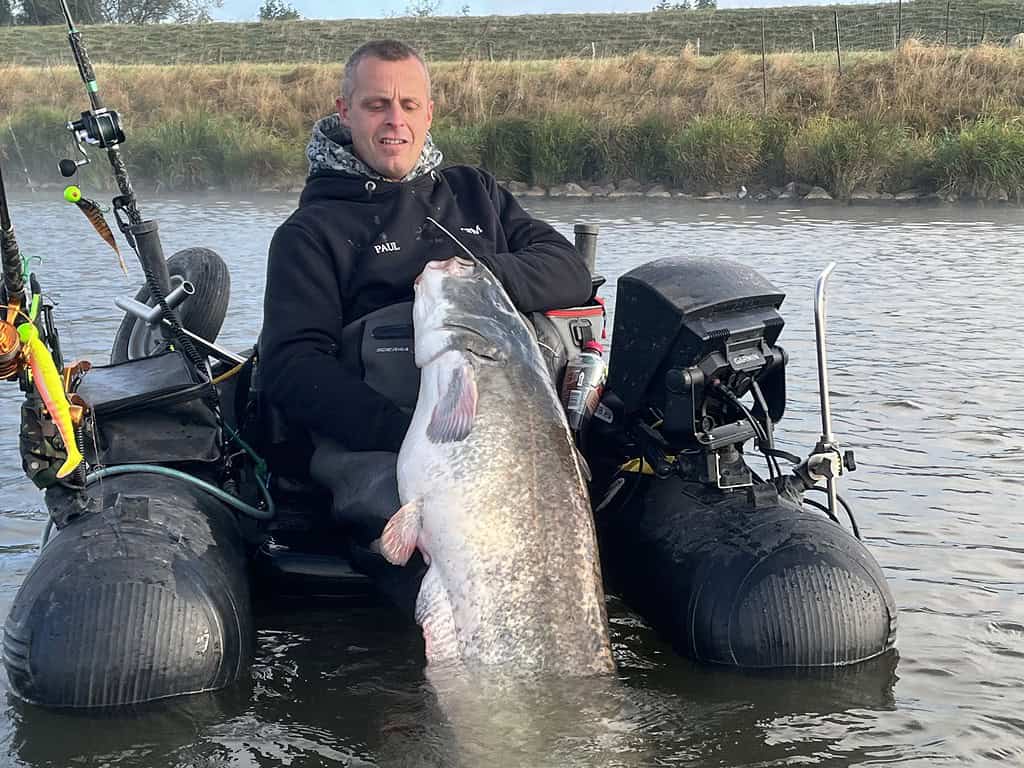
<point x="342" y="107"/>
<point x="430" y="112"/>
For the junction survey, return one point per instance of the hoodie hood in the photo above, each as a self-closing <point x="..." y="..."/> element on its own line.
<point x="330" y="149"/>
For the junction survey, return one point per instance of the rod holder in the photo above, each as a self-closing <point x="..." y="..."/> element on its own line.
<point x="586" y="243"/>
<point x="151" y="253"/>
<point x="152" y="315"/>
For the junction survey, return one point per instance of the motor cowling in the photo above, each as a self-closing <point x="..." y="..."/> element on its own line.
<point x="684" y="327"/>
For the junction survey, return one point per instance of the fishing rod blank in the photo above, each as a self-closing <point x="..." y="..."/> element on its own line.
<point x="14" y="281"/>
<point x="101" y="126"/>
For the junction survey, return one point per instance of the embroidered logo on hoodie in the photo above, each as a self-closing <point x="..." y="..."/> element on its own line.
<point x="388" y="247"/>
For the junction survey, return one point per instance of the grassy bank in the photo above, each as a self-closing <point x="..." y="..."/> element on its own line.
<point x="801" y="28"/>
<point x="928" y="118"/>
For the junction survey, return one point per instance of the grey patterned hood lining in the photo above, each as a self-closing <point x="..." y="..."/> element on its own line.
<point x="330" y="148"/>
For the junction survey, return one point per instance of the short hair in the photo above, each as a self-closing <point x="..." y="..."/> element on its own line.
<point x="387" y="50"/>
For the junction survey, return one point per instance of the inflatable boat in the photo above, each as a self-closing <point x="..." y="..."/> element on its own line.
<point x="185" y="502"/>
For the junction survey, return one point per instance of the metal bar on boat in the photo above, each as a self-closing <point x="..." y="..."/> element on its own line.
<point x="827" y="437"/>
<point x="210" y="347"/>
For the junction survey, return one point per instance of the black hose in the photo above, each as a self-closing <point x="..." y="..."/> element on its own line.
<point x="761" y="440"/>
<point x="843" y="504"/>
<point x="769" y="427"/>
<point x="823" y="508"/>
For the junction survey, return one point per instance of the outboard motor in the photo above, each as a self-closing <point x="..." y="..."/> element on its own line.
<point x="733" y="568"/>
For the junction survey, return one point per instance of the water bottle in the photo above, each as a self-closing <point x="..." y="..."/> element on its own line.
<point x="582" y="385"/>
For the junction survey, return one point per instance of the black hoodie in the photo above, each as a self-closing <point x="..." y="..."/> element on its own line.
<point x="355" y="245"/>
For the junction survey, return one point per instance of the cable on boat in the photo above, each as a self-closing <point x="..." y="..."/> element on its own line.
<point x="842" y="502"/>
<point x="232" y="501"/>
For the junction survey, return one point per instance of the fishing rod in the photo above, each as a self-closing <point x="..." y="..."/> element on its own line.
<point x="101" y="126"/>
<point x="14" y="281"/>
<point x="28" y="342"/>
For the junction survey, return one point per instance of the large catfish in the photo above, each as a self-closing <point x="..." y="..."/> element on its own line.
<point x="493" y="491"/>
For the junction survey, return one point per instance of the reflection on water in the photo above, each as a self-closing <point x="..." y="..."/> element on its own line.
<point x="926" y="377"/>
<point x="338" y="688"/>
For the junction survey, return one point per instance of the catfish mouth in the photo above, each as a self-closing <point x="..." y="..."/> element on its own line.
<point x="475" y="344"/>
<point x="462" y="328"/>
<point x="478" y="345"/>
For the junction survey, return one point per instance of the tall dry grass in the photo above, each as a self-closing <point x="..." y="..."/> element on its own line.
<point x="694" y="121"/>
<point x="926" y="87"/>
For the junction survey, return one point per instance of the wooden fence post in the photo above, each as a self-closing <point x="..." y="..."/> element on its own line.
<point x="839" y="52"/>
<point x="764" y="65"/>
<point x="947" y="21"/>
<point x="899" y="22"/>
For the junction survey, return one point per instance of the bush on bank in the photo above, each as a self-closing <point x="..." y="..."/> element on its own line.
<point x="200" y="150"/>
<point x="983" y="158"/>
<point x="844" y="156"/>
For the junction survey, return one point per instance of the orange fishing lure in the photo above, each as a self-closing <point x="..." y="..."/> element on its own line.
<point x="95" y="216"/>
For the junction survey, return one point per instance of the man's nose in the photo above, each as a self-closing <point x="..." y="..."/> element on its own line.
<point x="395" y="115"/>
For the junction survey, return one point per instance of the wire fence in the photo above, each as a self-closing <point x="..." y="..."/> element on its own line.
<point x="875" y="26"/>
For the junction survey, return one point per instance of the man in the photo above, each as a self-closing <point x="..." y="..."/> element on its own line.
<point x="335" y="352"/>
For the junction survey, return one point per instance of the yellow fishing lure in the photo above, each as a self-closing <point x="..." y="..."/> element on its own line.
<point x="51" y="388"/>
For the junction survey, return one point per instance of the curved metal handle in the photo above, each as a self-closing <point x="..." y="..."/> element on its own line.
<point x="819" y="331"/>
<point x="827" y="442"/>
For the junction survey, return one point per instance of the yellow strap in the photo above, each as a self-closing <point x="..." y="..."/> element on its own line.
<point x="637" y="465"/>
<point x="640" y="465"/>
<point x="228" y="374"/>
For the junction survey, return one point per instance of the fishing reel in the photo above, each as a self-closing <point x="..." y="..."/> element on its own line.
<point x="100" y="128"/>
<point x="10" y="351"/>
<point x="50" y="435"/>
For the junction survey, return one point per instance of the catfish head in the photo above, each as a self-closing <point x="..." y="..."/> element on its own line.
<point x="461" y="306"/>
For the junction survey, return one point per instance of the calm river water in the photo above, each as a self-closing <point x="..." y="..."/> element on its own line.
<point x="928" y="375"/>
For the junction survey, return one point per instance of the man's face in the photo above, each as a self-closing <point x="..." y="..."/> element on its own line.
<point x="389" y="113"/>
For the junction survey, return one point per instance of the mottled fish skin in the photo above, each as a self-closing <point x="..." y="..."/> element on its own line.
<point x="500" y="512"/>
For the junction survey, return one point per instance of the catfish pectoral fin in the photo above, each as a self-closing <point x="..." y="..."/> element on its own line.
<point x="398" y="541"/>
